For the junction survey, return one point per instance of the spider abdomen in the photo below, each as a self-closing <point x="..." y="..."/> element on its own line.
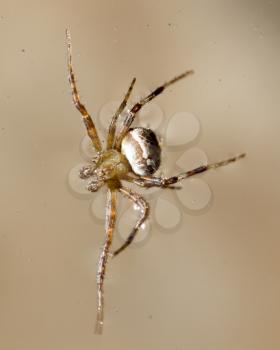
<point x="142" y="150"/>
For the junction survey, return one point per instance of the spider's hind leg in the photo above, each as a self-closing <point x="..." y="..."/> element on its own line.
<point x="152" y="181"/>
<point x="131" y="116"/>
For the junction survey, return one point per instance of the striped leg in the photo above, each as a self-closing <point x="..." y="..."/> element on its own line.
<point x="152" y="181"/>
<point x="131" y="116"/>
<point x="112" y="127"/>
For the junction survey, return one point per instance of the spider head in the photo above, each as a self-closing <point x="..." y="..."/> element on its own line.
<point x="92" y="172"/>
<point x="85" y="172"/>
<point x="88" y="170"/>
<point x="108" y="165"/>
<point x="95" y="183"/>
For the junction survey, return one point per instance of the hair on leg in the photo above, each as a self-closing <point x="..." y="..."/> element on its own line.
<point x="91" y="130"/>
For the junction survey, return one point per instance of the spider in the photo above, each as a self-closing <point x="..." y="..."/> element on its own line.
<point x="132" y="155"/>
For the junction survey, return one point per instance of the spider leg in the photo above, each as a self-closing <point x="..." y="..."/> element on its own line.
<point x="131" y="116"/>
<point x="152" y="181"/>
<point x="144" y="207"/>
<point x="101" y="267"/>
<point x="91" y="130"/>
<point x="112" y="127"/>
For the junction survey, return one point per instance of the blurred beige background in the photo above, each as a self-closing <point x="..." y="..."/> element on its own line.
<point x="215" y="283"/>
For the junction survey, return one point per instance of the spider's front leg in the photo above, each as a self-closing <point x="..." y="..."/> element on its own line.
<point x="152" y="181"/>
<point x="101" y="267"/>
<point x="144" y="208"/>
<point x="91" y="129"/>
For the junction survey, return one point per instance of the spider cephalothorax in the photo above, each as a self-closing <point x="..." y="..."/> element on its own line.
<point x="131" y="155"/>
<point x="108" y="165"/>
